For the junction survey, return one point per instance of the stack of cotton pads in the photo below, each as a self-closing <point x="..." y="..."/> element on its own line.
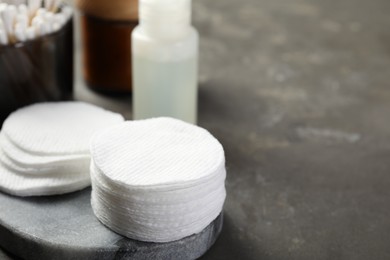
<point x="157" y="180"/>
<point x="44" y="148"/>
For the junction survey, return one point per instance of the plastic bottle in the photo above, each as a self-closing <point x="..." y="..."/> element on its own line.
<point x="105" y="29"/>
<point x="165" y="61"/>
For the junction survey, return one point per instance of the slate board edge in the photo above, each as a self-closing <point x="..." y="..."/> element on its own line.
<point x="30" y="247"/>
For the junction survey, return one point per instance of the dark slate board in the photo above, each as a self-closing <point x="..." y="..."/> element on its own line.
<point x="64" y="227"/>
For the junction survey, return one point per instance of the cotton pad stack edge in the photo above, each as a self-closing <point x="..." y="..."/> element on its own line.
<point x="44" y="148"/>
<point x="157" y="180"/>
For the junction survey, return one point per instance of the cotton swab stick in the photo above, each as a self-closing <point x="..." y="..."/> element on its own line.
<point x="55" y="5"/>
<point x="33" y="6"/>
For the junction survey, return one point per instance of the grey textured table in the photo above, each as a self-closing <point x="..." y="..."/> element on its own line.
<point x="298" y="93"/>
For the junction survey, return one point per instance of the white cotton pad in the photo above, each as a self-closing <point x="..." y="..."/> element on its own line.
<point x="45" y="184"/>
<point x="72" y="168"/>
<point x="44" y="148"/>
<point x="28" y="160"/>
<point x="60" y="128"/>
<point x="157" y="180"/>
<point x="157" y="152"/>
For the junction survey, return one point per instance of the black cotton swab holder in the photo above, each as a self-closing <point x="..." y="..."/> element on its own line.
<point x="36" y="70"/>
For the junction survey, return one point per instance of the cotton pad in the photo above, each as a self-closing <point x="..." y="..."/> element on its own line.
<point x="57" y="128"/>
<point x="23" y="185"/>
<point x="44" y="148"/>
<point x="157" y="152"/>
<point x="28" y="160"/>
<point x="60" y="169"/>
<point x="157" y="180"/>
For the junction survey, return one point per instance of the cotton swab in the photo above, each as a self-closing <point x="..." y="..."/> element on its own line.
<point x="20" y="33"/>
<point x="3" y="37"/>
<point x="22" y="19"/>
<point x="33" y="6"/>
<point x="3" y="34"/>
<point x="35" y="21"/>
<point x="47" y="27"/>
<point x="40" y="12"/>
<point x="30" y="33"/>
<point x="38" y="24"/>
<point x="48" y="4"/>
<point x="59" y="18"/>
<point x="22" y="9"/>
<point x="48" y="17"/>
<point x="55" y="27"/>
<point x="8" y="15"/>
<point x="67" y="11"/>
<point x="3" y="6"/>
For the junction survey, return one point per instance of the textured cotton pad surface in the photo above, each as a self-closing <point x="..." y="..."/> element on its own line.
<point x="156" y="152"/>
<point x="61" y="128"/>
<point x="157" y="180"/>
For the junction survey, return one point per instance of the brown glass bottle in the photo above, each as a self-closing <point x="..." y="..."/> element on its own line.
<point x="106" y="28"/>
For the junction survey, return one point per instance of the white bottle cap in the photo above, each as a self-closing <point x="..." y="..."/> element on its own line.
<point x="167" y="11"/>
<point x="165" y="19"/>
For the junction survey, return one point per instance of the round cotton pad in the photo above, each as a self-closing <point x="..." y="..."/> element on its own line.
<point x="156" y="152"/>
<point x="28" y="160"/>
<point x="72" y="168"/>
<point x="157" y="180"/>
<point x="61" y="128"/>
<point x="44" y="148"/>
<point x="30" y="185"/>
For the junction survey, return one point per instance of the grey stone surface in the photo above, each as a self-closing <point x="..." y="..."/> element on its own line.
<point x="64" y="227"/>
